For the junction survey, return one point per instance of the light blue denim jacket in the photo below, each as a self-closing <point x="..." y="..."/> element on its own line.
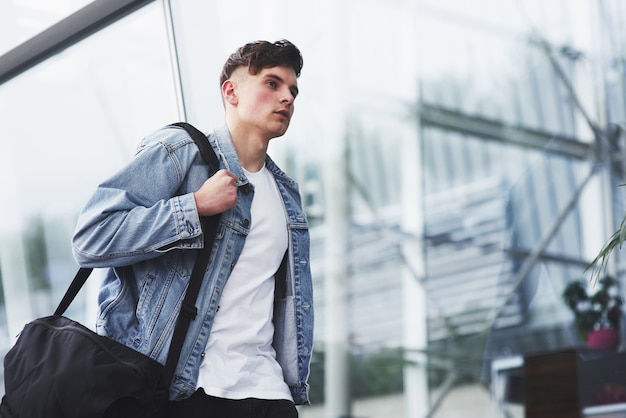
<point x="142" y="222"/>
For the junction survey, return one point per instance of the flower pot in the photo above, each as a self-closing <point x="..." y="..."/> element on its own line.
<point x="605" y="339"/>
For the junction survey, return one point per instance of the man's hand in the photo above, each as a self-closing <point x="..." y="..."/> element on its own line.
<point x="217" y="194"/>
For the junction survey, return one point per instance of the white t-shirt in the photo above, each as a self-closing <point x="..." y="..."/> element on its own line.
<point x="240" y="361"/>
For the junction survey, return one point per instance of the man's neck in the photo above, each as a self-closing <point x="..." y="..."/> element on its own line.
<point x="251" y="148"/>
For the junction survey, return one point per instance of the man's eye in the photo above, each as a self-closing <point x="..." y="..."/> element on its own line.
<point x="272" y="83"/>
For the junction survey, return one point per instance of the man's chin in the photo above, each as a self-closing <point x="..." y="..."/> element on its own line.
<point x="279" y="132"/>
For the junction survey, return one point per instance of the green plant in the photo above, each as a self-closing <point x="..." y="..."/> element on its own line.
<point x="602" y="309"/>
<point x="599" y="264"/>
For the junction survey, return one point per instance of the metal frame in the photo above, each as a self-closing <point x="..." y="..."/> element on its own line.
<point x="456" y="121"/>
<point x="178" y="81"/>
<point x="64" y="34"/>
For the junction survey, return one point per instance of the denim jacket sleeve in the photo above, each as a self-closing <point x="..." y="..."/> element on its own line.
<point x="144" y="209"/>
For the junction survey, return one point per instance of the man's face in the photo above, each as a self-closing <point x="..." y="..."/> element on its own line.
<point x="265" y="101"/>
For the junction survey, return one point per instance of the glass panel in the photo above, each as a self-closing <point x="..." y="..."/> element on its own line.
<point x="69" y="123"/>
<point x="23" y="19"/>
<point x="459" y="143"/>
<point x="456" y="132"/>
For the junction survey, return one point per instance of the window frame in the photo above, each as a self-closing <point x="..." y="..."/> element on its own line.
<point x="65" y="33"/>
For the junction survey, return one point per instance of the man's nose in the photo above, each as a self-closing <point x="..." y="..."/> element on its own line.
<point x="287" y="97"/>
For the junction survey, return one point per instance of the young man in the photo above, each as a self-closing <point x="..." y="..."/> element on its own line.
<point x="247" y="353"/>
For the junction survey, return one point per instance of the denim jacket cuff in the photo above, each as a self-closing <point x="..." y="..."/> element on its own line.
<point x="186" y="216"/>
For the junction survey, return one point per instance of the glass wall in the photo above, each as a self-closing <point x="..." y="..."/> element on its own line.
<point x="452" y="157"/>
<point x="502" y="100"/>
<point x="68" y="123"/>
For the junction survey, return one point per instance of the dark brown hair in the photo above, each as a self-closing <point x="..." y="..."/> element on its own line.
<point x="262" y="54"/>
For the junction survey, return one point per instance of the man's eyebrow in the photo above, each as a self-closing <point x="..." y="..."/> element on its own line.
<point x="294" y="89"/>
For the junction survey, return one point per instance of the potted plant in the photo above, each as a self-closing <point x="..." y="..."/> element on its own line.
<point x="597" y="316"/>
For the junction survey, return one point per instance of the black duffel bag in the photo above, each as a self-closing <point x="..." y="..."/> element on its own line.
<point x="59" y="368"/>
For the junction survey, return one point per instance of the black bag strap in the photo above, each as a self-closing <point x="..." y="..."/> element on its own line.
<point x="71" y="292"/>
<point x="188" y="310"/>
<point x="206" y="150"/>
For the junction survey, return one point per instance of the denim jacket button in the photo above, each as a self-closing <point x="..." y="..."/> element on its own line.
<point x="190" y="228"/>
<point x="246" y="222"/>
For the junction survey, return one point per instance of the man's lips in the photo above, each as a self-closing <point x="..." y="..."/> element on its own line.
<point x="284" y="113"/>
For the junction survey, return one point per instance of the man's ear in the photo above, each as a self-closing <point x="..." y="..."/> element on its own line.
<point x="229" y="92"/>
